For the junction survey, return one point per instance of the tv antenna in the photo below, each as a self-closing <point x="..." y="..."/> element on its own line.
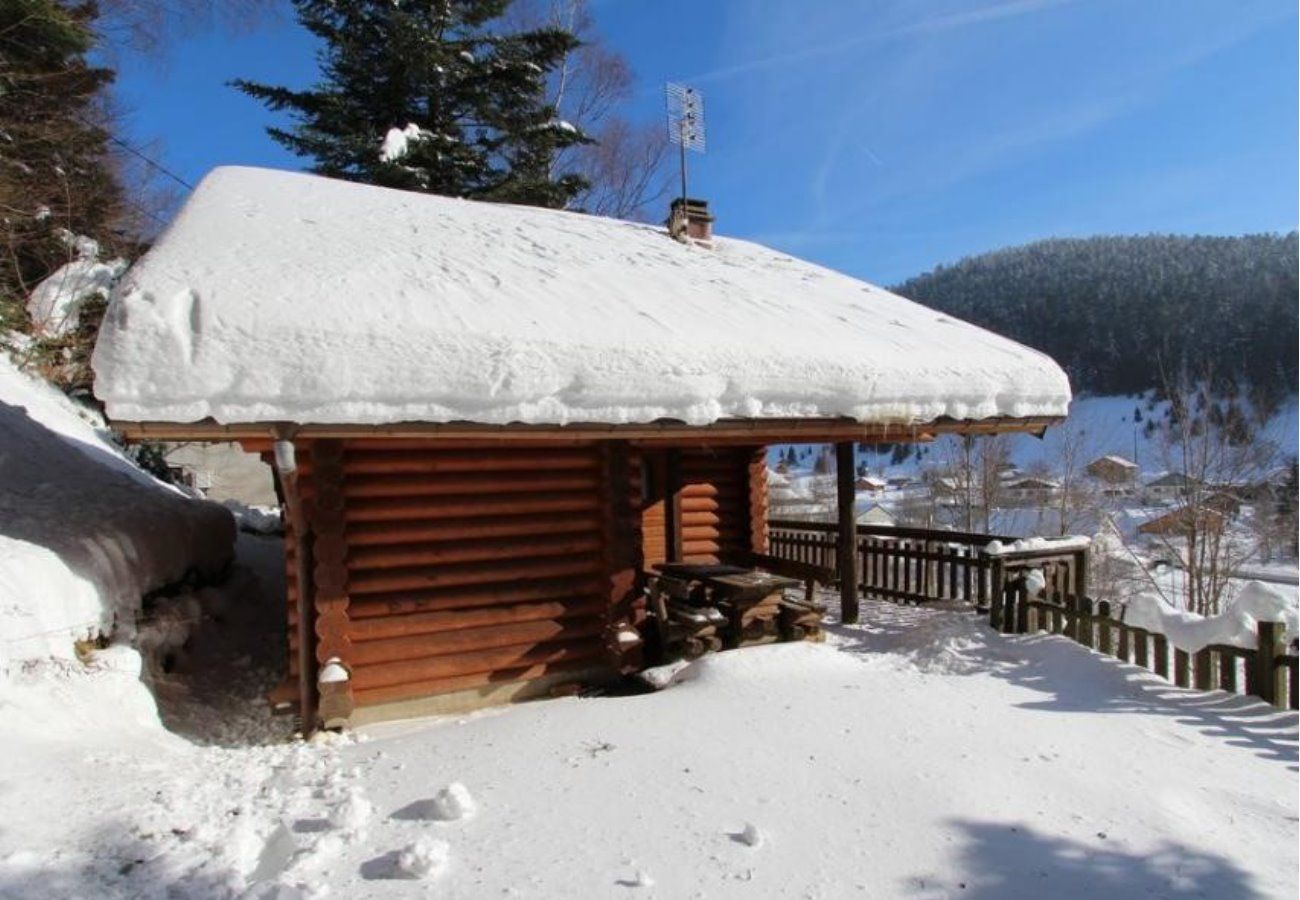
<point x="685" y="123"/>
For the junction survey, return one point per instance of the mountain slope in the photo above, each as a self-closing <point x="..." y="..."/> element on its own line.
<point x="1123" y="314"/>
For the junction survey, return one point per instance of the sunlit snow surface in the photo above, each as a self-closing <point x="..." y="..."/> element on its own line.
<point x="919" y="754"/>
<point x="283" y="296"/>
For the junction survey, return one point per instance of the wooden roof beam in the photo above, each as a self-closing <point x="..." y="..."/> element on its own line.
<point x="736" y="431"/>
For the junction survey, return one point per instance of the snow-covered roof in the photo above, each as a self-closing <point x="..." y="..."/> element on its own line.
<point x="1115" y="460"/>
<point x="279" y="296"/>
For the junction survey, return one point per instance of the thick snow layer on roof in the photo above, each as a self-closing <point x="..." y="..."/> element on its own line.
<point x="278" y="296"/>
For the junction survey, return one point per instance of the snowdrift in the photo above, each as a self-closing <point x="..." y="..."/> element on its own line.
<point x="84" y="533"/>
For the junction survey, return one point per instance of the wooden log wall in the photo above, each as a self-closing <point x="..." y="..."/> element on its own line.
<point x="716" y="504"/>
<point x="721" y="502"/>
<point x="467" y="565"/>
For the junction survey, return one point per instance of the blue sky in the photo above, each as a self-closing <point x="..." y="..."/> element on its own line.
<point x="882" y="138"/>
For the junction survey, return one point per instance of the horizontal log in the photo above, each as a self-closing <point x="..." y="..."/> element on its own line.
<point x="695" y="548"/>
<point x="435" y="622"/>
<point x="409" y="579"/>
<point x="698" y="519"/>
<point x="365" y="534"/>
<point x="392" y="509"/>
<point x="737" y="432"/>
<point x="430" y="688"/>
<point x="407" y="485"/>
<point x="390" y="556"/>
<point x="481" y="661"/>
<point x="474" y="596"/>
<point x="435" y="461"/>
<point x="474" y="640"/>
<point x="719" y="492"/>
<point x="374" y="439"/>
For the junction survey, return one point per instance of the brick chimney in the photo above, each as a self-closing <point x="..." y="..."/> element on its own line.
<point x="689" y="220"/>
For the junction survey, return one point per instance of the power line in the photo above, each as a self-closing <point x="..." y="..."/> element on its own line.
<point x="157" y="165"/>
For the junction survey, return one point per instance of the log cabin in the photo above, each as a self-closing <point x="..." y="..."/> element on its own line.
<point x="489" y="423"/>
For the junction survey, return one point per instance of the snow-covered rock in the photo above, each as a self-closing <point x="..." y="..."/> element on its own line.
<point x="289" y="297"/>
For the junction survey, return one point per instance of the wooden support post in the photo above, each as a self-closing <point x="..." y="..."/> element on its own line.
<point x="1103" y="628"/>
<point x="290" y="489"/>
<point x="1181" y="664"/>
<point x="673" y="505"/>
<point x="1124" y="652"/>
<point x="1080" y="566"/>
<point x="846" y="548"/>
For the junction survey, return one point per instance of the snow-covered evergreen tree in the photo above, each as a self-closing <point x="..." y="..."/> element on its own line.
<point x="433" y="96"/>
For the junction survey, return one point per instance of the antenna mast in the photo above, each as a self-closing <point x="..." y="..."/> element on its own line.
<point x="685" y="124"/>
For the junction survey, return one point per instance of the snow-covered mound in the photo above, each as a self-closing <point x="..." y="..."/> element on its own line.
<point x="283" y="296"/>
<point x="84" y="533"/>
<point x="1234" y="626"/>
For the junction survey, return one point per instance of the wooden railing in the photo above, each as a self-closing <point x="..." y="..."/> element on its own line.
<point x="1268" y="671"/>
<point x="915" y="565"/>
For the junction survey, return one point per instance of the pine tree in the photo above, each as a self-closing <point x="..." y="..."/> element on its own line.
<point x="56" y="176"/>
<point x="467" y="98"/>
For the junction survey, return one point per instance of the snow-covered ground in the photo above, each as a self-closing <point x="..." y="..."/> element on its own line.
<point x="918" y="754"/>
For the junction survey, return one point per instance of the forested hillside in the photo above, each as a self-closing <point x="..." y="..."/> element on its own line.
<point x="1117" y="312"/>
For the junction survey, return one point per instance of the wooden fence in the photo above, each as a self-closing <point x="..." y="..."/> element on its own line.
<point x="1269" y="671"/>
<point x="912" y="565"/>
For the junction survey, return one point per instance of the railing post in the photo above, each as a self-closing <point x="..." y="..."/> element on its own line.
<point x="1263" y="675"/>
<point x="1161" y="650"/>
<point x="997" y="584"/>
<point x="846" y="555"/>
